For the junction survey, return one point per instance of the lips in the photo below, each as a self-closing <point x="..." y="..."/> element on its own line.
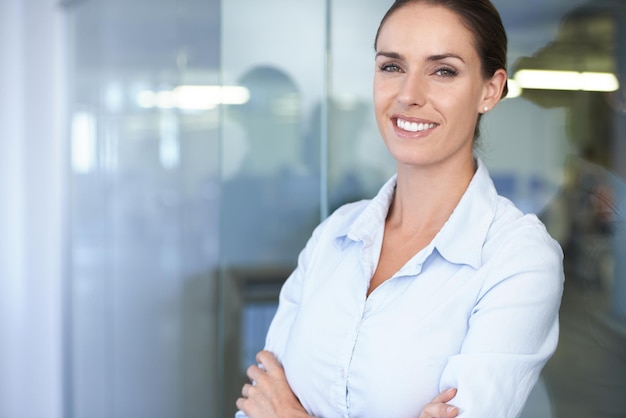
<point x="413" y="126"/>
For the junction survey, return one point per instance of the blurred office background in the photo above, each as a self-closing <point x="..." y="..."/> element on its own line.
<point x="163" y="162"/>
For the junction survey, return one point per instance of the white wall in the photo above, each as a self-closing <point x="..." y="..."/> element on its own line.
<point x="31" y="208"/>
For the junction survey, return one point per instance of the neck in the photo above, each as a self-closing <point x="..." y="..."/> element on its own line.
<point x="425" y="197"/>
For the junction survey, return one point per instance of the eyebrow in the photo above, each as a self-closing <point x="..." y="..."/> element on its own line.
<point x="393" y="55"/>
<point x="432" y="58"/>
<point x="440" y="57"/>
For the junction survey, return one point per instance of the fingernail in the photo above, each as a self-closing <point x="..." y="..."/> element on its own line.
<point x="450" y="409"/>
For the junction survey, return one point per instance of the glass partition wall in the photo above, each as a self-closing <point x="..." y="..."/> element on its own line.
<point x="209" y="138"/>
<point x="145" y="186"/>
<point x="270" y="165"/>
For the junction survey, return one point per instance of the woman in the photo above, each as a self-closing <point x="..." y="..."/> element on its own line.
<point x="438" y="297"/>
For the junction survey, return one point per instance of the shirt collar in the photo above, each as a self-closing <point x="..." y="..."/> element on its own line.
<point x="475" y="210"/>
<point x="372" y="219"/>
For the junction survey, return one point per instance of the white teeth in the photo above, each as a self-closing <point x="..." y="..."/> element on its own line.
<point x="413" y="126"/>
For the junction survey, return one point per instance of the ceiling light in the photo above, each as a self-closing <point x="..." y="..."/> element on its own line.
<point x="194" y="97"/>
<point x="566" y="80"/>
<point x="514" y="89"/>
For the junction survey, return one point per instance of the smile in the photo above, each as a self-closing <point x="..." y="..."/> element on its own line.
<point x="414" y="126"/>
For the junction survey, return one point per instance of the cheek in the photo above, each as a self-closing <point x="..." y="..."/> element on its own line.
<point x="381" y="118"/>
<point x="384" y="98"/>
<point x="377" y="94"/>
<point x="385" y="88"/>
<point x="380" y="104"/>
<point x="456" y="103"/>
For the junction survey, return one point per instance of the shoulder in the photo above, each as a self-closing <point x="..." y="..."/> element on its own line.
<point x="339" y="222"/>
<point x="520" y="243"/>
<point x="360" y="218"/>
<point x="512" y="227"/>
<point x="508" y="226"/>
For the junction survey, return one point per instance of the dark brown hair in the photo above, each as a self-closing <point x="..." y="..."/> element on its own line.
<point x="483" y="20"/>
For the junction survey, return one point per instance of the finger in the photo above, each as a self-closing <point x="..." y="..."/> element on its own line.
<point x="268" y="361"/>
<point x="254" y="372"/>
<point x="445" y="396"/>
<point x="240" y="403"/>
<point x="245" y="390"/>
<point x="439" y="410"/>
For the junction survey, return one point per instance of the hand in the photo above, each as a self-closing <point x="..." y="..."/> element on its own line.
<point x="269" y="395"/>
<point x="438" y="408"/>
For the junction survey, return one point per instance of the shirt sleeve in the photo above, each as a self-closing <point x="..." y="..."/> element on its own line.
<point x="513" y="328"/>
<point x="290" y="298"/>
<point x="289" y="302"/>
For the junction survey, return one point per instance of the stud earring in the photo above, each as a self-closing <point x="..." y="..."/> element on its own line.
<point x="486" y="109"/>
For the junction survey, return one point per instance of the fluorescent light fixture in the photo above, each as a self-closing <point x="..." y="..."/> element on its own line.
<point x="162" y="99"/>
<point x="146" y="99"/>
<point x="514" y="89"/>
<point x="83" y="142"/>
<point x="566" y="80"/>
<point x="194" y="97"/>
<point x="169" y="147"/>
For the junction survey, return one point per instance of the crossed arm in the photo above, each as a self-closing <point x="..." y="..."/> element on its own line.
<point x="512" y="331"/>
<point x="268" y="394"/>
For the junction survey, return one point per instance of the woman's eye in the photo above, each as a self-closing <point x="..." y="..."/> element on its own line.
<point x="445" y="72"/>
<point x="392" y="68"/>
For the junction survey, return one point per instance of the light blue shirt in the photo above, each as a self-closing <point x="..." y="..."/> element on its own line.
<point x="477" y="309"/>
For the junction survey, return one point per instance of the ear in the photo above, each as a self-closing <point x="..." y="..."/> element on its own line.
<point x="493" y="91"/>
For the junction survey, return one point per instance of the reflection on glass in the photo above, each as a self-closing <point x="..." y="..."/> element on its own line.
<point x="83" y="142"/>
<point x="144" y="210"/>
<point x="587" y="375"/>
<point x="269" y="191"/>
<point x="566" y="80"/>
<point x="183" y="165"/>
<point x="188" y="98"/>
<point x="169" y="147"/>
<point x="272" y="72"/>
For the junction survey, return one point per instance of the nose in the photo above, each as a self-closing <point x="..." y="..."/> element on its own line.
<point x="412" y="91"/>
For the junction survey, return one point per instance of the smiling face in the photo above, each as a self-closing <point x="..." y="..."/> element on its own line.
<point x="429" y="86"/>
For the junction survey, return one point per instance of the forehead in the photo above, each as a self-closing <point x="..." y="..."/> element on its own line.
<point x="428" y="28"/>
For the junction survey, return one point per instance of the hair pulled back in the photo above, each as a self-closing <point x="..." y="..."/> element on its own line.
<point x="483" y="20"/>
